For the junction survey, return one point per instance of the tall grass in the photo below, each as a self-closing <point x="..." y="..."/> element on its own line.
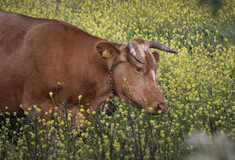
<point x="198" y="84"/>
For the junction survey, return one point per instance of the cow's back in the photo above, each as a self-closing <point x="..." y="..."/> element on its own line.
<point x="37" y="53"/>
<point x="13" y="30"/>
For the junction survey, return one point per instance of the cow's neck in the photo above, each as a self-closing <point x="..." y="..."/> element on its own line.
<point x="109" y="107"/>
<point x="107" y="93"/>
<point x="102" y="90"/>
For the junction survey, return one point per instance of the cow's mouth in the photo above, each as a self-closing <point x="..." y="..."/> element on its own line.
<point x="158" y="109"/>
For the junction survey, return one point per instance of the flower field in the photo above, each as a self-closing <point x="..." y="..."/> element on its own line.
<point x="197" y="84"/>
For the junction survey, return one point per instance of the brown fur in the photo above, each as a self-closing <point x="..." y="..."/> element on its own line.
<point x="35" y="54"/>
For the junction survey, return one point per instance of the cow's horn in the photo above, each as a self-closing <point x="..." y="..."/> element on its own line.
<point x="160" y="46"/>
<point x="133" y="53"/>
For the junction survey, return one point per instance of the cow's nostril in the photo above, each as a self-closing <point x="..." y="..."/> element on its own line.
<point x="161" y="107"/>
<point x="158" y="107"/>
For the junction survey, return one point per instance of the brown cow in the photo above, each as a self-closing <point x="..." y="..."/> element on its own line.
<point x="36" y="53"/>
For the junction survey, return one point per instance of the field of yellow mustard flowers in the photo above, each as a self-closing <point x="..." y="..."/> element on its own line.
<point x="198" y="83"/>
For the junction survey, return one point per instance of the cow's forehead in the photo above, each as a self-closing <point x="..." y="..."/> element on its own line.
<point x="142" y="48"/>
<point x="143" y="52"/>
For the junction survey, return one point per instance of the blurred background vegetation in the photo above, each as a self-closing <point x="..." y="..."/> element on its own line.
<point x="215" y="6"/>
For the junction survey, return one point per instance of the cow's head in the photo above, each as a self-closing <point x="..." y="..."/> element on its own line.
<point x="136" y="65"/>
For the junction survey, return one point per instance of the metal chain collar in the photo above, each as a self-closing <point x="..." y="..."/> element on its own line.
<point x="111" y="80"/>
<point x="111" y="77"/>
<point x="111" y="106"/>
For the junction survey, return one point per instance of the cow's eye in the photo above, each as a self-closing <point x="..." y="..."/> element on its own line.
<point x="139" y="69"/>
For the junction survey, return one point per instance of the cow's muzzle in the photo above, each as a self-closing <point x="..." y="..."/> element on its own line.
<point x="162" y="107"/>
<point x="156" y="107"/>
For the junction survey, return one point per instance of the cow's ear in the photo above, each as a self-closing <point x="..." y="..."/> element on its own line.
<point x="107" y="49"/>
<point x="156" y="56"/>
